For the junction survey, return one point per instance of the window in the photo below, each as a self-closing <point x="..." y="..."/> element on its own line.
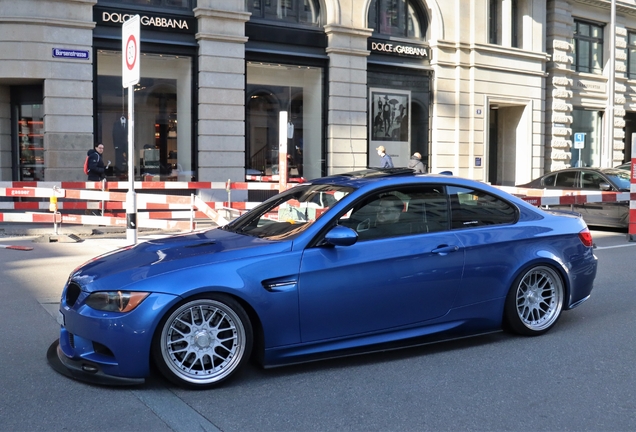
<point x="549" y="181"/>
<point x="402" y="18"/>
<point x="305" y="12"/>
<point x="285" y="216"/>
<point x="177" y="5"/>
<point x="566" y="180"/>
<point x="399" y="212"/>
<point x="474" y="208"/>
<point x="591" y="180"/>
<point x="163" y="117"/>
<point x="588" y="48"/>
<point x="297" y="90"/>
<point x="591" y="124"/>
<point x="505" y="14"/>
<point x="631" y="55"/>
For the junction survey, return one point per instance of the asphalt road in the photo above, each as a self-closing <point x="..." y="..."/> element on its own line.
<point x="577" y="377"/>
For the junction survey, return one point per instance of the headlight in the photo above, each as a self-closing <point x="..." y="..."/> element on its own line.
<point x="116" y="301"/>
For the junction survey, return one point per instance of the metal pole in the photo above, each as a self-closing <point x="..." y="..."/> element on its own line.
<point x="282" y="150"/>
<point x="611" y="93"/>
<point x="131" y="197"/>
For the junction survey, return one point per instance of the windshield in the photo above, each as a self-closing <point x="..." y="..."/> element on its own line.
<point x="288" y="214"/>
<point x="621" y="178"/>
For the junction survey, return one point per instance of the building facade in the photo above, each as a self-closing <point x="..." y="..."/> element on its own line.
<point x="493" y="90"/>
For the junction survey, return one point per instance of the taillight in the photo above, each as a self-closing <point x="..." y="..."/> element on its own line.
<point x="586" y="237"/>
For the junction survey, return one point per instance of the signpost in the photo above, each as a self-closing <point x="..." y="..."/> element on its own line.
<point x="282" y="150"/>
<point x="130" y="77"/>
<point x="579" y="143"/>
<point x="631" y="228"/>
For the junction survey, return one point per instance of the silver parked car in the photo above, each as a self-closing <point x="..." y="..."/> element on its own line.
<point x="614" y="214"/>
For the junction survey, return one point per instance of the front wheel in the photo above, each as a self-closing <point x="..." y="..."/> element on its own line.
<point x="203" y="341"/>
<point x="535" y="301"/>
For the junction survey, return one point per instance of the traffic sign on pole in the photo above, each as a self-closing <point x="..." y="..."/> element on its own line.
<point x="130" y="76"/>
<point x="579" y="140"/>
<point x="130" y="51"/>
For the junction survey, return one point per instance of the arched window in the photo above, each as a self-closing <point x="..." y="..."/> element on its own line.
<point x="402" y="18"/>
<point x="305" y="12"/>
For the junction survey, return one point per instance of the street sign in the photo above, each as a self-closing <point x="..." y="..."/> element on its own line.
<point x="130" y="52"/>
<point x="579" y="140"/>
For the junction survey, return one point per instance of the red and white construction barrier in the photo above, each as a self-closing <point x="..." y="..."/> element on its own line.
<point x="548" y="197"/>
<point x="138" y="186"/>
<point x="14" y="247"/>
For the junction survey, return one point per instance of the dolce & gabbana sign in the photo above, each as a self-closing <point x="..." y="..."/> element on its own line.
<point x="399" y="49"/>
<point x="150" y="21"/>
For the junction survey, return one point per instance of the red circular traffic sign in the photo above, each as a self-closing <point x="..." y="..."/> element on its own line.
<point x="131" y="52"/>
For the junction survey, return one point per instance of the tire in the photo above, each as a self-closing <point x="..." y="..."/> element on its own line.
<point x="203" y="341"/>
<point x="535" y="301"/>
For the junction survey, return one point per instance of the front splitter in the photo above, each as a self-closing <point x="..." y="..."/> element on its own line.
<point x="77" y="369"/>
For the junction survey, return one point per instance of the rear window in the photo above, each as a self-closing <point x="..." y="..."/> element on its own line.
<point x="474" y="208"/>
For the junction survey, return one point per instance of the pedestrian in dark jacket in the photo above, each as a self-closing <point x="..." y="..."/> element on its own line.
<point x="416" y="163"/>
<point x="96" y="169"/>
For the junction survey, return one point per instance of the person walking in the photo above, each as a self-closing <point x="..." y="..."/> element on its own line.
<point x="416" y="164"/>
<point x="96" y="168"/>
<point x="386" y="161"/>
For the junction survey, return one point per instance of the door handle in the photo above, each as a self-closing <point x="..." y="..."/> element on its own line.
<point x="445" y="249"/>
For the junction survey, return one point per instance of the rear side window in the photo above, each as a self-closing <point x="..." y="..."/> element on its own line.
<point x="474" y="208"/>
<point x="566" y="179"/>
<point x="549" y="180"/>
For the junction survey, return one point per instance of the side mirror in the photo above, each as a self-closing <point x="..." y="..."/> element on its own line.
<point x="341" y="236"/>
<point x="604" y="186"/>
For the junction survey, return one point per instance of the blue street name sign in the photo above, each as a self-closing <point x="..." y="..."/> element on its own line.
<point x="67" y="53"/>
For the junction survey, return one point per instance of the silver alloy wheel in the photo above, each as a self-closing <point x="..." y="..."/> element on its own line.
<point x="539" y="298"/>
<point x="203" y="341"/>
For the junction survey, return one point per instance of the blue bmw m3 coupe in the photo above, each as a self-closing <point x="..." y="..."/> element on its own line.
<point x="364" y="261"/>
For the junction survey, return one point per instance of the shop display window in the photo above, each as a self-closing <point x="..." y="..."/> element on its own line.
<point x="297" y="91"/>
<point x="590" y="123"/>
<point x="31" y="142"/>
<point x="163" y="119"/>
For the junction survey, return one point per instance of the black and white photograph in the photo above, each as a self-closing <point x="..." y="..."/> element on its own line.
<point x="390" y="115"/>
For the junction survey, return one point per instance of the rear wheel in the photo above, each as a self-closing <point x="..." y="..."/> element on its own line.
<point x="203" y="341"/>
<point x="535" y="301"/>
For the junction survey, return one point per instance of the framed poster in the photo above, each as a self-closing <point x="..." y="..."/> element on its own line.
<point x="389" y="125"/>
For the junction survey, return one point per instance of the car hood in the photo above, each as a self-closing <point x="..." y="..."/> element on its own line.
<point x="125" y="266"/>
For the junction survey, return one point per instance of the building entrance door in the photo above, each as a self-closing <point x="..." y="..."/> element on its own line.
<point x="27" y="133"/>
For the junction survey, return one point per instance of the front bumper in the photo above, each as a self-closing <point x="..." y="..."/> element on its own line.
<point x="83" y="370"/>
<point x="107" y="348"/>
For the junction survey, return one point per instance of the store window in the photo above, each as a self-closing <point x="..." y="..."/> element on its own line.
<point x="163" y="117"/>
<point x="588" y="48"/>
<point x="402" y="18"/>
<point x="31" y="141"/>
<point x="590" y="123"/>
<point x="27" y="125"/>
<point x="631" y="55"/>
<point x="306" y="12"/>
<point x="296" y="90"/>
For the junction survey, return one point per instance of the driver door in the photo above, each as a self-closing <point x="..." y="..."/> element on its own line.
<point x="400" y="276"/>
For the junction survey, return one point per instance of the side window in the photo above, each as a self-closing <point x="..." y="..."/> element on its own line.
<point x="591" y="180"/>
<point x="406" y="211"/>
<point x="549" y="181"/>
<point x="474" y="208"/>
<point x="566" y="179"/>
